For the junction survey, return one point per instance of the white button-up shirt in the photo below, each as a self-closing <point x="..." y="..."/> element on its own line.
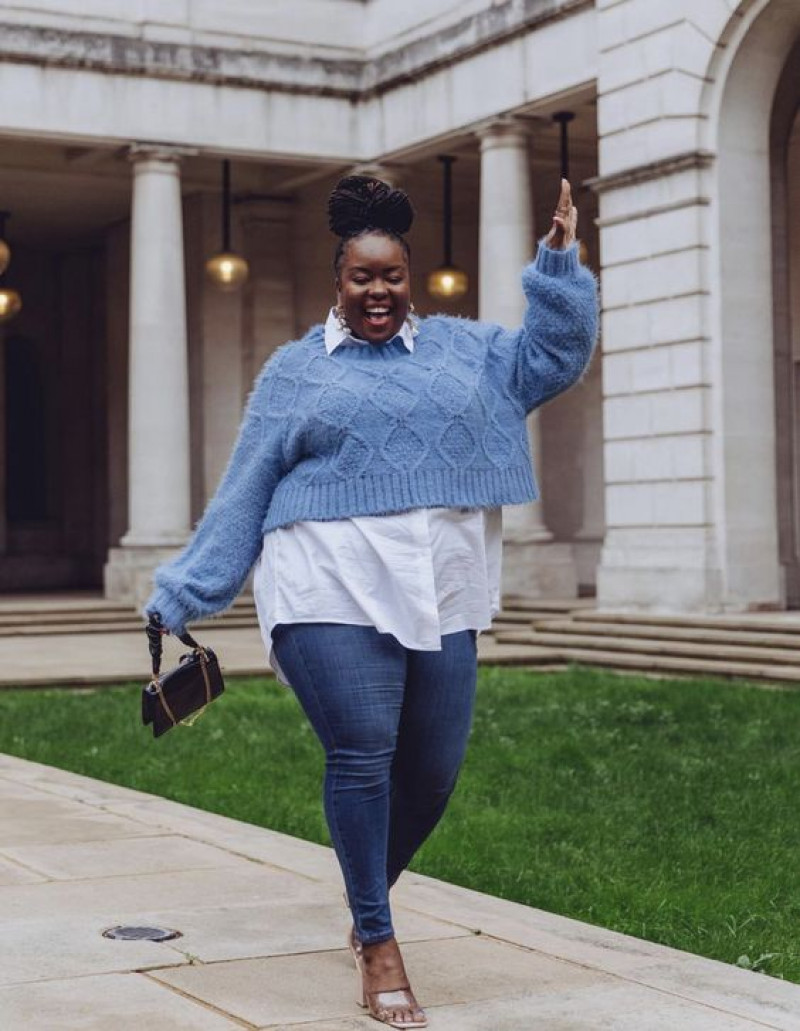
<point x="416" y="575"/>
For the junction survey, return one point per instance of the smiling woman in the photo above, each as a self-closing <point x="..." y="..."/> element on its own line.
<point x="372" y="260"/>
<point x="373" y="288"/>
<point x="369" y="473"/>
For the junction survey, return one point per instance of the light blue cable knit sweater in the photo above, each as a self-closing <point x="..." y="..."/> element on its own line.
<point x="376" y="429"/>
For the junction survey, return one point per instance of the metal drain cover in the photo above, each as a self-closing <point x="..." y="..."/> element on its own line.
<point x="135" y="934"/>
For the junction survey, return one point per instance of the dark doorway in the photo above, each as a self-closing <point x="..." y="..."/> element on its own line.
<point x="55" y="424"/>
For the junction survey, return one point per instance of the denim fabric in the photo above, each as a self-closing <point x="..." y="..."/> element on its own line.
<point x="394" y="724"/>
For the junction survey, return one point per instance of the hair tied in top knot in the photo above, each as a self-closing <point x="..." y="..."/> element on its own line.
<point x="362" y="202"/>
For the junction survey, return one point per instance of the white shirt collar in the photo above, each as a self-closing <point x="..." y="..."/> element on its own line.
<point x="335" y="335"/>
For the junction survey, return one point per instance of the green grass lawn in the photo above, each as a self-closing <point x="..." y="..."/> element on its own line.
<point x="665" y="809"/>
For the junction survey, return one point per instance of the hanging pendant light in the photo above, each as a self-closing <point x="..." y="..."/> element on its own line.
<point x="227" y="270"/>
<point x="10" y="303"/>
<point x="5" y="250"/>
<point x="448" y="282"/>
<point x="10" y="300"/>
<point x="563" y="118"/>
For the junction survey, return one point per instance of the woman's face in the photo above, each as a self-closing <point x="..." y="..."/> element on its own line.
<point x="373" y="287"/>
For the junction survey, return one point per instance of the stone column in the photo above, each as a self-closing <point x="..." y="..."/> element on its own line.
<point x="534" y="566"/>
<point x="158" y="416"/>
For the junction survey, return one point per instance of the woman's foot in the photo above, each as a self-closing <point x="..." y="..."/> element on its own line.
<point x="385" y="988"/>
<point x="354" y="944"/>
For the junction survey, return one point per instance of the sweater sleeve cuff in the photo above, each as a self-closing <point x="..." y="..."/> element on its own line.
<point x="556" y="262"/>
<point x="169" y="608"/>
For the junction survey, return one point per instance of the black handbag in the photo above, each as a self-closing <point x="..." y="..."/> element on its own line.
<point x="182" y="694"/>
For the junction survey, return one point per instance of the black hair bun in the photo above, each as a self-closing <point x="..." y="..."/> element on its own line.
<point x="362" y="202"/>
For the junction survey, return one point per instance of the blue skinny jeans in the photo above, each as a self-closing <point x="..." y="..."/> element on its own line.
<point x="394" y="724"/>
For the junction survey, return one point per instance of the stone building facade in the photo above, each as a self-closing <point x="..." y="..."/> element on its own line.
<point x="670" y="474"/>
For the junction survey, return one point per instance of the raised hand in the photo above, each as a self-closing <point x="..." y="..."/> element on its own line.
<point x="565" y="221"/>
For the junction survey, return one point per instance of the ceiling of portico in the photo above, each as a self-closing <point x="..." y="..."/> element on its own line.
<point x="65" y="196"/>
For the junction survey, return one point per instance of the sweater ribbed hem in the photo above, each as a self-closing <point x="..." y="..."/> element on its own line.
<point x="557" y="263"/>
<point x="399" y="492"/>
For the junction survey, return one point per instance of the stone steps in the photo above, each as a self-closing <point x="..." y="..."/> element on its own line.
<point x="720" y="638"/>
<point x="30" y="618"/>
<point x="758" y="646"/>
<point x="552" y="632"/>
<point x="764" y="622"/>
<point x="667" y="664"/>
<point x="648" y="646"/>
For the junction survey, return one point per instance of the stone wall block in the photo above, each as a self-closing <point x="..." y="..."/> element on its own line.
<point x="630" y="504"/>
<point x="421" y="108"/>
<point x="619" y="461"/>
<point x="682" y="457"/>
<point x="650" y="279"/>
<point x="711" y="16"/>
<point x="629" y="416"/>
<point x="690" y="455"/>
<point x="677" y="319"/>
<point x="176" y="13"/>
<point x="308" y="22"/>
<point x="651" y="141"/>
<point x="662" y="586"/>
<point x="668" y="94"/>
<point x="639" y="19"/>
<point x="612" y="29"/>
<point x="487" y="84"/>
<point x="631" y="20"/>
<point x="617" y="374"/>
<point x="650" y="369"/>
<point x="544" y="53"/>
<point x="681" y="502"/>
<point x="625" y="328"/>
<point x="646" y="547"/>
<point x="652" y="459"/>
<point x="680" y="189"/>
<point x="665" y="321"/>
<point x="687" y="363"/>
<point x="682" y="47"/>
<point x="661" y="233"/>
<point x="679" y="411"/>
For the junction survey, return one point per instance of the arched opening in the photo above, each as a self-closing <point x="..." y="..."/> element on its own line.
<point x="758" y="77"/>
<point x="785" y="161"/>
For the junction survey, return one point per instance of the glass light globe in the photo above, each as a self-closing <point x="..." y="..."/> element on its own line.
<point x="448" y="283"/>
<point x="5" y="256"/>
<point x="228" y="271"/>
<point x="10" y="303"/>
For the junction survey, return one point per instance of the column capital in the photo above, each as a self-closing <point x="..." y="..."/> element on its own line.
<point x="506" y="131"/>
<point x="161" y="152"/>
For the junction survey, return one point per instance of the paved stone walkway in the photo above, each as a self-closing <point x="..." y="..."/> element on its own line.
<point x="263" y="924"/>
<point x="97" y="658"/>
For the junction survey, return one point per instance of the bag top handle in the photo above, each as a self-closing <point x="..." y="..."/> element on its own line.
<point x="155" y="631"/>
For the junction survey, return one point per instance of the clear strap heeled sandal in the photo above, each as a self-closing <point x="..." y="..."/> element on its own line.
<point x="385" y="1005"/>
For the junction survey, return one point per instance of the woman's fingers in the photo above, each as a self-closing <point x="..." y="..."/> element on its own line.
<point x="565" y="220"/>
<point x="571" y="229"/>
<point x="565" y="199"/>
